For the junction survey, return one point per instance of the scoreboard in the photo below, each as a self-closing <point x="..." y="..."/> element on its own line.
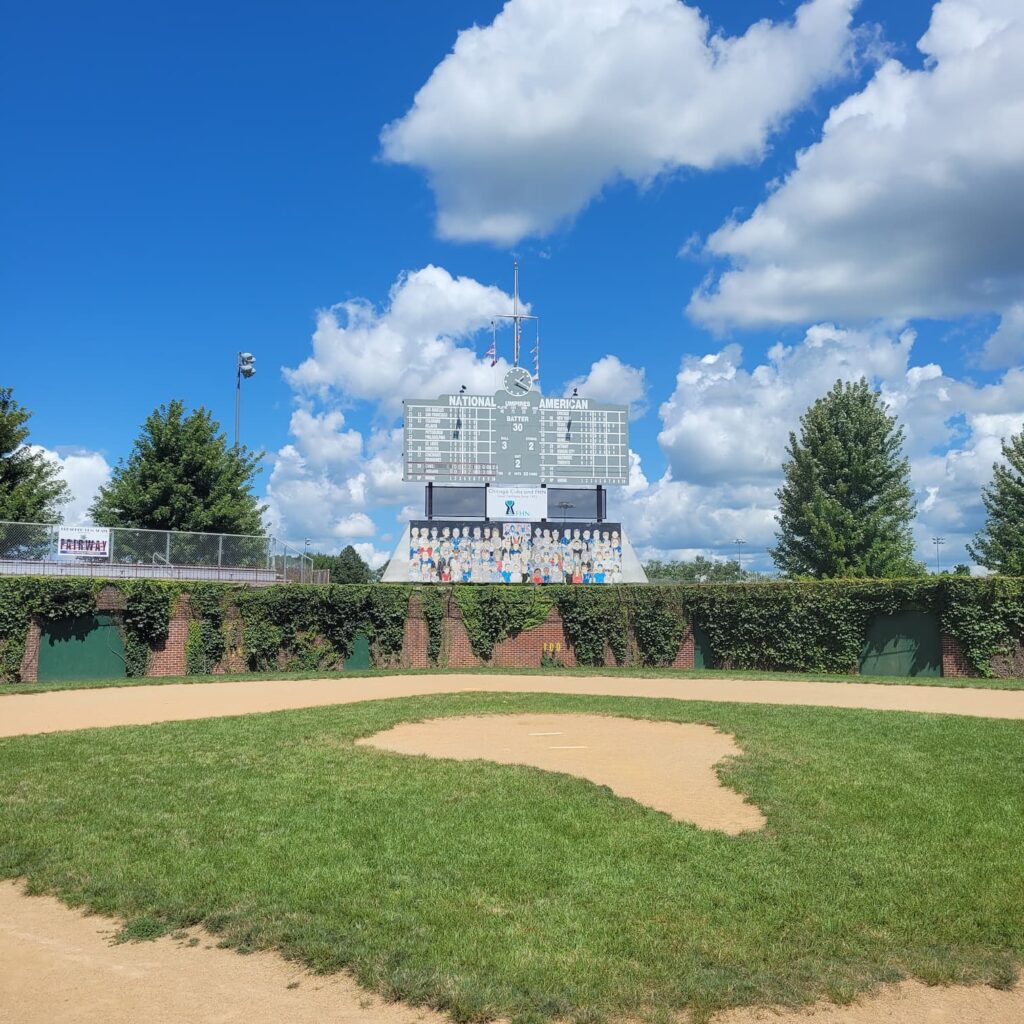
<point x="515" y="436"/>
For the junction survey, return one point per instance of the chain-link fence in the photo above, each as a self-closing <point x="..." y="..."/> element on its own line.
<point x="34" y="549"/>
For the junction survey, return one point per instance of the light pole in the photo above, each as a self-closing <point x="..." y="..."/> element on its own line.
<point x="739" y="553"/>
<point x="245" y="366"/>
<point x="938" y="542"/>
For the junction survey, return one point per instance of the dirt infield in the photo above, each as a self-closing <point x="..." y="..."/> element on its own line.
<point x="666" y="765"/>
<point x="61" y="966"/>
<point x="143" y="705"/>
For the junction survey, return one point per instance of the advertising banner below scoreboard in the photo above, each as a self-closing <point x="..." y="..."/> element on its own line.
<point x="83" y="541"/>
<point x="525" y="503"/>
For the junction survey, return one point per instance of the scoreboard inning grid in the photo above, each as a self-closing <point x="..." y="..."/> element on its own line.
<point x="511" y="438"/>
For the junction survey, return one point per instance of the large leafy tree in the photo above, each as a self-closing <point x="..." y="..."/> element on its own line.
<point x="846" y="506"/>
<point x="182" y="475"/>
<point x="1000" y="544"/>
<point x="31" y="487"/>
<point x="346" y="567"/>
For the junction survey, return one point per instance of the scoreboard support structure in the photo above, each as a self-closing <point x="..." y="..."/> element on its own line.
<point x="594" y="508"/>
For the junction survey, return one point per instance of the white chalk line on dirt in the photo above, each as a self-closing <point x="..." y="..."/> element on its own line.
<point x="22" y="714"/>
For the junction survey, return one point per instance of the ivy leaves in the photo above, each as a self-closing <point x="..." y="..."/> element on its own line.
<point x="815" y="626"/>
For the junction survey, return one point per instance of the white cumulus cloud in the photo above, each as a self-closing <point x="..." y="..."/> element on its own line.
<point x="84" y="472"/>
<point x="910" y="205"/>
<point x="724" y="422"/>
<point x="414" y="347"/>
<point x="611" y="380"/>
<point x="1006" y="345"/>
<point x="528" y="118"/>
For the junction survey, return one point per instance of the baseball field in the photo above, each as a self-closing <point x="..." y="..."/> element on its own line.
<point x="498" y="852"/>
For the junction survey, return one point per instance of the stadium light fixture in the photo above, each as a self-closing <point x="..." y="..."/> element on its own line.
<point x="245" y="366"/>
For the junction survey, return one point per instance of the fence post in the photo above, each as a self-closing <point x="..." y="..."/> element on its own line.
<point x="168" y="554"/>
<point x="220" y="550"/>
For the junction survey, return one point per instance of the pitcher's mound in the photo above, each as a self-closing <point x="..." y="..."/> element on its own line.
<point x="666" y="765"/>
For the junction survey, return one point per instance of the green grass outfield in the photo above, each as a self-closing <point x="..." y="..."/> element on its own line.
<point x="894" y="847"/>
<point x="629" y="673"/>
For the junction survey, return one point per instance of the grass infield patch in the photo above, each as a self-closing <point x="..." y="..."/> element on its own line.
<point x="894" y="846"/>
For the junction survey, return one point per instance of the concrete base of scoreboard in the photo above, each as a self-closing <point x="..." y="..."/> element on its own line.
<point x="398" y="570"/>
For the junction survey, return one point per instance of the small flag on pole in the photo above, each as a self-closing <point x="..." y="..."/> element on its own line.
<point x="493" y="350"/>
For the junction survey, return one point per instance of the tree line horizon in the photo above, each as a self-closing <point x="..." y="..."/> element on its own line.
<point x="846" y="505"/>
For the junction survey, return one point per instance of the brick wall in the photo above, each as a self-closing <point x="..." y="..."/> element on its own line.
<point x="456" y="651"/>
<point x="110" y="599"/>
<point x="954" y="664"/>
<point x="30" y="659"/>
<point x="416" y="641"/>
<point x="168" y="659"/>
<point x="524" y="650"/>
<point x="685" y="657"/>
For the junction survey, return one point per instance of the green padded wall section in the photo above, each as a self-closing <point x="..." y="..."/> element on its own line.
<point x="904" y="644"/>
<point x="87" y="647"/>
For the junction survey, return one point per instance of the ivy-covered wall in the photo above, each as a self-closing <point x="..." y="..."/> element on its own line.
<point x="811" y="626"/>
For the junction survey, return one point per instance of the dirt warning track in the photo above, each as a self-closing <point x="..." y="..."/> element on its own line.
<point x="23" y="714"/>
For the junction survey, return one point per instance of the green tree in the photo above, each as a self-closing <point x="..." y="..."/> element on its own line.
<point x="697" y="570"/>
<point x="31" y="487"/>
<point x="182" y="475"/>
<point x="846" y="506"/>
<point x="1000" y="544"/>
<point x="345" y="567"/>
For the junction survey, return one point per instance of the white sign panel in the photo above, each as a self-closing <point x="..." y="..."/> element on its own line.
<point x="526" y="503"/>
<point x="83" y="541"/>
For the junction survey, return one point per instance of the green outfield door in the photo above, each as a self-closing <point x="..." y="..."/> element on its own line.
<point x="904" y="644"/>
<point x="360" y="656"/>
<point x="703" y="656"/>
<point x="87" y="647"/>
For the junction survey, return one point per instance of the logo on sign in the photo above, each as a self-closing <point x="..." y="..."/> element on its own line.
<point x="517" y="503"/>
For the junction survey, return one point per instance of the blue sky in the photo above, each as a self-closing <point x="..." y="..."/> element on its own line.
<point x="700" y="235"/>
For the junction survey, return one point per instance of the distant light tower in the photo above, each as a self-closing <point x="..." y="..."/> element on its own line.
<point x="938" y="542"/>
<point x="244" y="367"/>
<point x="739" y="552"/>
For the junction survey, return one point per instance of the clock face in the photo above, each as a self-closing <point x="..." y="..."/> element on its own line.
<point x="518" y="381"/>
